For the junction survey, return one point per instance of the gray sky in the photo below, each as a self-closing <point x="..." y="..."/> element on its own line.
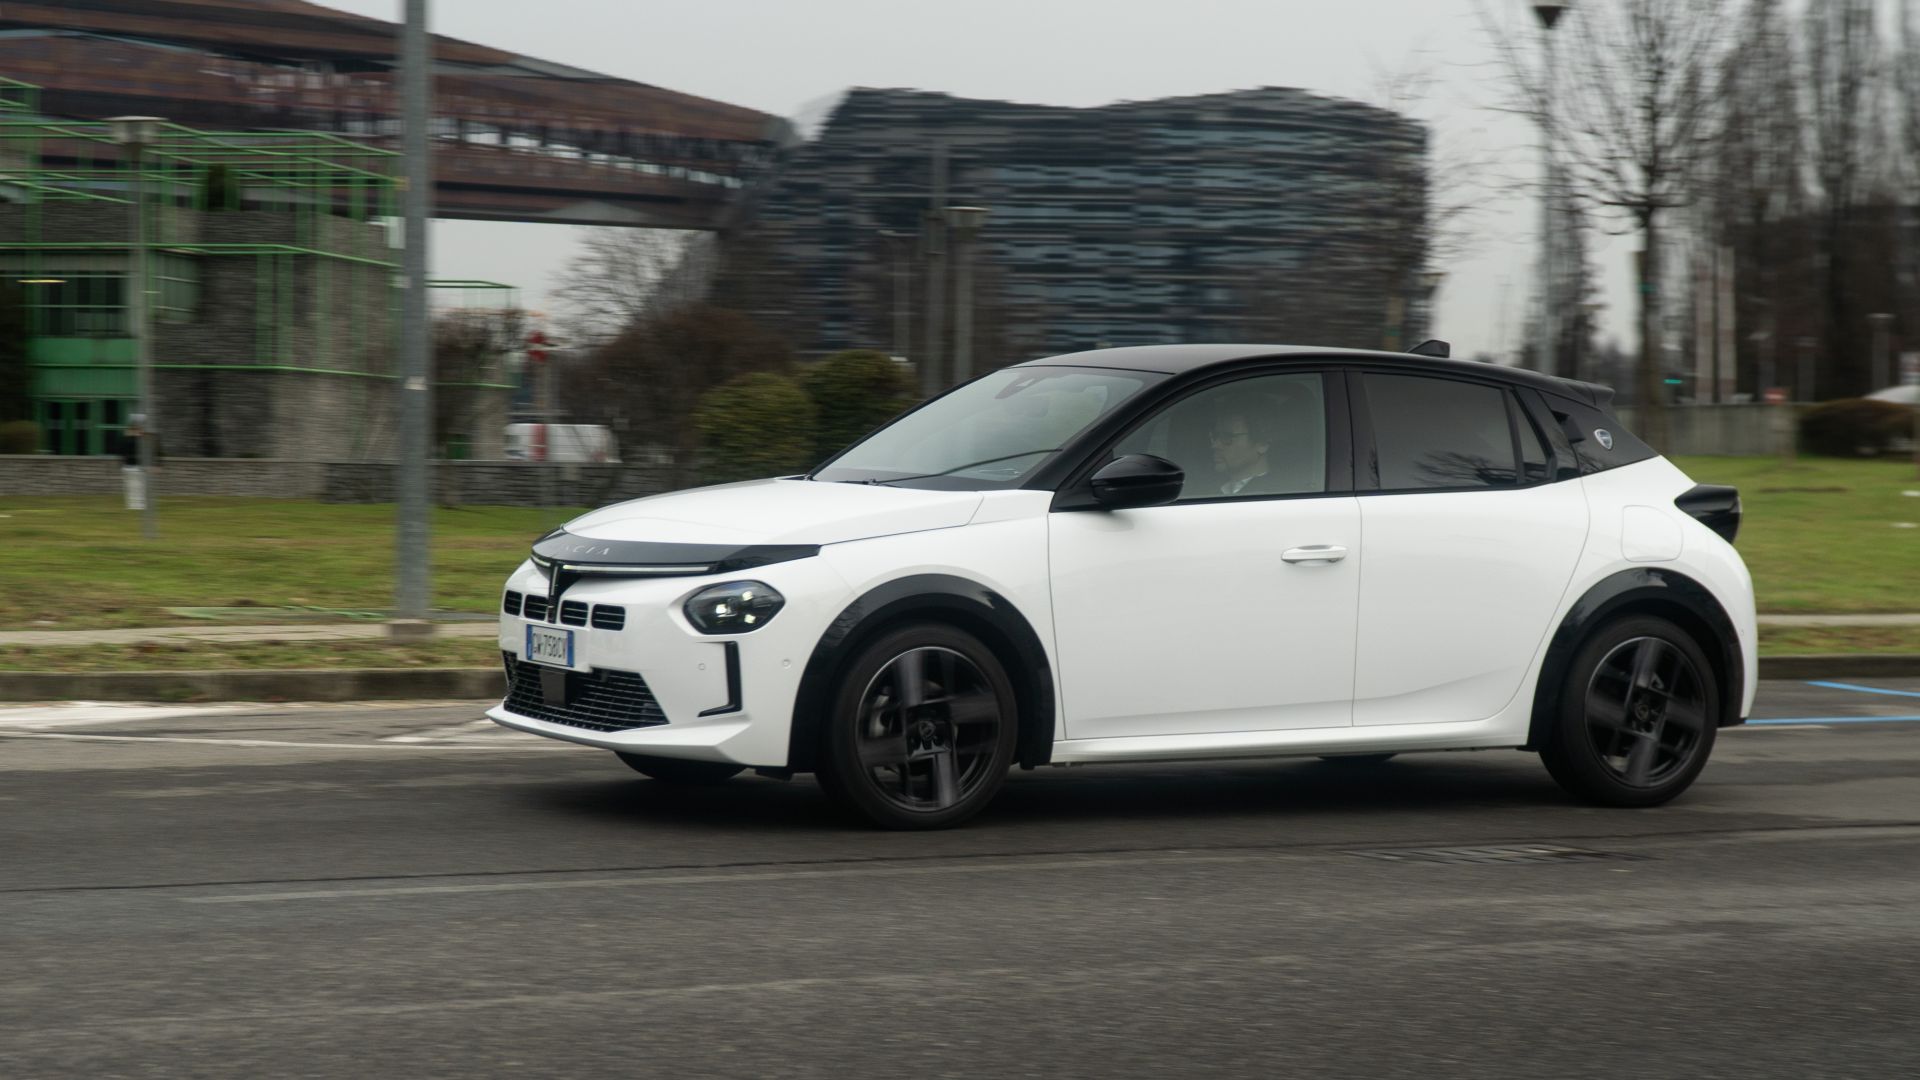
<point x="781" y="56"/>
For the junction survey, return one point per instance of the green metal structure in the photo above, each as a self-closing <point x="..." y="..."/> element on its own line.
<point x="270" y="270"/>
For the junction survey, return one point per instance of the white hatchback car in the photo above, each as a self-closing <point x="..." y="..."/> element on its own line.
<point x="1166" y="553"/>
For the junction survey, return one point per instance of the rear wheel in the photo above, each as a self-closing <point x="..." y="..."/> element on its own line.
<point x="680" y="771"/>
<point x="1636" y="719"/>
<point x="923" y="729"/>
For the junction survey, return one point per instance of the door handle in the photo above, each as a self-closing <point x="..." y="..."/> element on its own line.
<point x="1314" y="553"/>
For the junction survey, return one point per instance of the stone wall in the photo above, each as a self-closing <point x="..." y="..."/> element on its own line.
<point x="476" y="483"/>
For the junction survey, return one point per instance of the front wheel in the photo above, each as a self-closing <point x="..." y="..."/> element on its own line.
<point x="923" y="729"/>
<point x="1635" y="722"/>
<point x="679" y="770"/>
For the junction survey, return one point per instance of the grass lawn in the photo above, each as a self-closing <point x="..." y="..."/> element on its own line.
<point x="1820" y="536"/>
<point x="77" y="562"/>
<point x="1825" y="534"/>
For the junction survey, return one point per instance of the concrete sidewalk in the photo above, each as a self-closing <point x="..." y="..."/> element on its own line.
<point x="174" y="635"/>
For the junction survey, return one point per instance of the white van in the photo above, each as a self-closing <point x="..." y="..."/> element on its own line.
<point x="561" y="442"/>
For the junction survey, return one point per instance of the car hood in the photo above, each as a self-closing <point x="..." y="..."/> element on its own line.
<point x="778" y="512"/>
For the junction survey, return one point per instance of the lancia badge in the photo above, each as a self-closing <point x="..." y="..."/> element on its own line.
<point x="1605" y="437"/>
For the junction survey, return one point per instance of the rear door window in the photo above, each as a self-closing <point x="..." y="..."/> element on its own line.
<point x="1435" y="433"/>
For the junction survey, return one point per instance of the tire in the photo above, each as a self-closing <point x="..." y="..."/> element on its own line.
<point x="1635" y="722"/>
<point x="923" y="729"/>
<point x="1357" y="760"/>
<point x="680" y="771"/>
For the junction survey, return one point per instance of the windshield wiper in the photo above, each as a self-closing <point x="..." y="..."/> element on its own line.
<point x="961" y="468"/>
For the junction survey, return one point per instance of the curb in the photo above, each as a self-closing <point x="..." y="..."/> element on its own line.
<point x="455" y="684"/>
<point x="343" y="684"/>
<point x="1841" y="665"/>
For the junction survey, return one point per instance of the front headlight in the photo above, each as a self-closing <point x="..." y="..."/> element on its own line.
<point x="733" y="608"/>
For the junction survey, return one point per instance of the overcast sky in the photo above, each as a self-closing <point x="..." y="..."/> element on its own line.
<point x="781" y="56"/>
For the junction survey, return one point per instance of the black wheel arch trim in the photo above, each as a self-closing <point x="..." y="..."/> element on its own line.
<point x="969" y="604"/>
<point x="1657" y="591"/>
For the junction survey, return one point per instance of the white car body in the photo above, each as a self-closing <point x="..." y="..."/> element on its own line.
<point x="1430" y="630"/>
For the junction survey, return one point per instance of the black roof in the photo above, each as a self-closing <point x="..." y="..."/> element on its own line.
<point x="1183" y="359"/>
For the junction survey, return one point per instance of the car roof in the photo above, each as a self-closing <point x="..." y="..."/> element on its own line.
<point x="1184" y="359"/>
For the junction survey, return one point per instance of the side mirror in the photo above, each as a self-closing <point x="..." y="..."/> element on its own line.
<point x="1137" y="480"/>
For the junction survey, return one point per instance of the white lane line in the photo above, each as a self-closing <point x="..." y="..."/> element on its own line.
<point x="84" y="713"/>
<point x="714" y="879"/>
<point x="74" y="737"/>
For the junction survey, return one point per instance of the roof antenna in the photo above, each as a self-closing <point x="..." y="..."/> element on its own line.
<point x="1433" y="347"/>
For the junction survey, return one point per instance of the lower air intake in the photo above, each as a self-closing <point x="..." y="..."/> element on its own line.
<point x="598" y="700"/>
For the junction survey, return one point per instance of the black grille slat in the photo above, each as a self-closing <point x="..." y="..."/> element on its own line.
<point x="511" y="603"/>
<point x="573" y="612"/>
<point x="609" y="617"/>
<point x="599" y="700"/>
<point x="535" y="607"/>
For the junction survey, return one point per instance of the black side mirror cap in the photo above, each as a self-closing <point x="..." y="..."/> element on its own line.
<point x="1137" y="480"/>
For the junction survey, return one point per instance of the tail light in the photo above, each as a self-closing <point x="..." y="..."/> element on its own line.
<point x="1715" y="506"/>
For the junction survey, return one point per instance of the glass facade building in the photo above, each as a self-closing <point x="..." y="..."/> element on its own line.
<point x="1268" y="215"/>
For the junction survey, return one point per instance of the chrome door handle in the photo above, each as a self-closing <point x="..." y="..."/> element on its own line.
<point x="1314" y="553"/>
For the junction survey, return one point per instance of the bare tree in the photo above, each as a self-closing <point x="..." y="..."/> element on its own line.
<point x="1635" y="98"/>
<point x="646" y="383"/>
<point x="1756" y="184"/>
<point x="470" y="351"/>
<point x="1844" y="128"/>
<point x="617" y="278"/>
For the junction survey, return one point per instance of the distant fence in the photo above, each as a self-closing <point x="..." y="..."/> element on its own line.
<point x="473" y="483"/>
<point x="1740" y="430"/>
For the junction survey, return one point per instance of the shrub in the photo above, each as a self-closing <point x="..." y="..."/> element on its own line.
<point x="855" y="391"/>
<point x="1854" y="427"/>
<point x="19" y="437"/>
<point x="754" y="426"/>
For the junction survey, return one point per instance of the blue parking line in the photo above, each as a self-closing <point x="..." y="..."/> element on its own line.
<point x="1836" y="720"/>
<point x="1866" y="689"/>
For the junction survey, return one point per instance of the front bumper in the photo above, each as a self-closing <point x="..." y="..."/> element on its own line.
<point x="697" y="711"/>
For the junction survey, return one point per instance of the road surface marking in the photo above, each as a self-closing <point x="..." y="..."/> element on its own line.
<point x="1858" y="689"/>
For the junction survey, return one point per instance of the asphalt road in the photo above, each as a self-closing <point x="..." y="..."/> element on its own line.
<point x="374" y="891"/>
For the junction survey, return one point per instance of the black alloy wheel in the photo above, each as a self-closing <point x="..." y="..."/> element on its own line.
<point x="679" y="770"/>
<point x="923" y="729"/>
<point x="1638" y="715"/>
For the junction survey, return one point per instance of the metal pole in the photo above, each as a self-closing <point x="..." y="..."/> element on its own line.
<point x="963" y="307"/>
<point x="143" y="347"/>
<point x="902" y="330"/>
<point x="411" y="585"/>
<point x="1882" y="352"/>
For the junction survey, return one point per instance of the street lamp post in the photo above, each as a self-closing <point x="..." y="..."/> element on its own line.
<point x="1548" y="15"/>
<point x="1882" y="351"/>
<point x="897" y="249"/>
<point x="412" y="583"/>
<point x="966" y="222"/>
<point x="135" y="133"/>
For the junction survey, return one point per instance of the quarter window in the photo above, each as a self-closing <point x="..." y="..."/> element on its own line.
<point x="1438" y="433"/>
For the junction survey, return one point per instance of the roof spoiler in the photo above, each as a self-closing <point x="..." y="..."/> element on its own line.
<point x="1433" y="347"/>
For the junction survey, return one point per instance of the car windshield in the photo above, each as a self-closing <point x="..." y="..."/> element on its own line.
<point x="991" y="433"/>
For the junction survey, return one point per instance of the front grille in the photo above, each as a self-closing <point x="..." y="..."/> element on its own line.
<point x="511" y="603"/>
<point x="609" y="617"/>
<point x="597" y="700"/>
<point x="535" y="607"/>
<point x="573" y="613"/>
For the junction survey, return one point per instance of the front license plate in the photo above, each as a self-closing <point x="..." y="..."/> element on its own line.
<point x="546" y="645"/>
